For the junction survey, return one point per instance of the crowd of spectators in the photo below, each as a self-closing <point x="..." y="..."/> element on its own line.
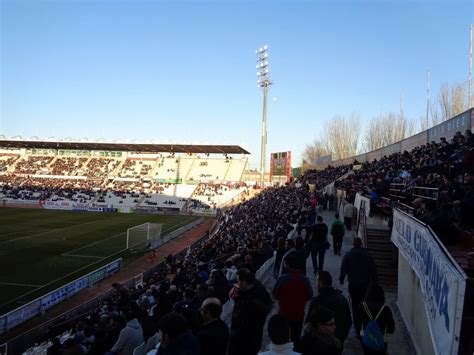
<point x="67" y="166"/>
<point x="6" y="161"/>
<point x="135" y="168"/>
<point x="436" y="180"/>
<point x="100" y="167"/>
<point x="32" y="164"/>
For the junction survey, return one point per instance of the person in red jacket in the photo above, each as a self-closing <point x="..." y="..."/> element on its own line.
<point x="292" y="290"/>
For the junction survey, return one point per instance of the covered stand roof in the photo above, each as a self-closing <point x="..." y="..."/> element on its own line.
<point x="126" y="147"/>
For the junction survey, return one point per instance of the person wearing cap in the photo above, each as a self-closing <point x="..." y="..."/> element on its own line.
<point x="319" y="337"/>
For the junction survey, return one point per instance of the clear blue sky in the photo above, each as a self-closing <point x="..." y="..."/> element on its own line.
<point x="185" y="70"/>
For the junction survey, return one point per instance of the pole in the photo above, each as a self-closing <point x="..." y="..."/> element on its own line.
<point x="264" y="136"/>
<point x="470" y="68"/>
<point x="427" y="96"/>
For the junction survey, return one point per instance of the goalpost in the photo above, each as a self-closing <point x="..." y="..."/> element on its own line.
<point x="146" y="235"/>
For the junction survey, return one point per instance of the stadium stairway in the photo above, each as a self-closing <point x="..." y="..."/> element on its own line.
<point x="384" y="254"/>
<point x="114" y="173"/>
<point x="153" y="170"/>
<point x="187" y="176"/>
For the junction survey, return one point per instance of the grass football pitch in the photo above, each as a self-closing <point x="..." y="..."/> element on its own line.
<point x="41" y="250"/>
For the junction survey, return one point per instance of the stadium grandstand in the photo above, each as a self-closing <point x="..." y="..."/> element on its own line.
<point x="411" y="205"/>
<point x="149" y="177"/>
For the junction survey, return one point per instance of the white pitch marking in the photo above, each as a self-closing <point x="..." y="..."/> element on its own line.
<point x="50" y="231"/>
<point x="16" y="284"/>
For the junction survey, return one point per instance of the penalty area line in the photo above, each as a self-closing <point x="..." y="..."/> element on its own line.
<point x="17" y="284"/>
<point x="83" y="256"/>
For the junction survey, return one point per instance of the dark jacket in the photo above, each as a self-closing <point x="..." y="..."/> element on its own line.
<point x="292" y="290"/>
<point x="319" y="237"/>
<point x="184" y="344"/>
<point x="299" y="256"/>
<point x="248" y="318"/>
<point x="359" y="267"/>
<point x="213" y="338"/>
<point x="319" y="345"/>
<point x="335" y="301"/>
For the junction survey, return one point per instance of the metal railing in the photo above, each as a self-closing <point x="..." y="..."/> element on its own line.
<point x="398" y="190"/>
<point x="427" y="193"/>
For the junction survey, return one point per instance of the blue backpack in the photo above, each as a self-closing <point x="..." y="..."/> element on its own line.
<point x="373" y="338"/>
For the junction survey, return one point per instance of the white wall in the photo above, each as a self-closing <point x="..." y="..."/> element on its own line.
<point x="412" y="306"/>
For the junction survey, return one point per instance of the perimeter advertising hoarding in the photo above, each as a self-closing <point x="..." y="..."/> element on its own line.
<point x="324" y="160"/>
<point x="448" y="128"/>
<point x="361" y="158"/>
<point x="414" y="141"/>
<point x="375" y="154"/>
<point x="391" y="149"/>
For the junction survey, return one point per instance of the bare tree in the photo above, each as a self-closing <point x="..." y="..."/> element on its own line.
<point x="341" y="136"/>
<point x="374" y="135"/>
<point x="313" y="151"/>
<point x="387" y="129"/>
<point x="451" y="101"/>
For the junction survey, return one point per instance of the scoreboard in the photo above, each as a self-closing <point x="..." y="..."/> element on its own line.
<point x="280" y="166"/>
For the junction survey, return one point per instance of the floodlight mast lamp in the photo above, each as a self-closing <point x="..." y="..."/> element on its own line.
<point x="263" y="81"/>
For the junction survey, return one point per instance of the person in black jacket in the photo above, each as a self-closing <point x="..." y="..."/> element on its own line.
<point x="318" y="244"/>
<point x="359" y="267"/>
<point x="252" y="305"/>
<point x="214" y="334"/>
<point x="335" y="301"/>
<point x="375" y="303"/>
<point x="299" y="255"/>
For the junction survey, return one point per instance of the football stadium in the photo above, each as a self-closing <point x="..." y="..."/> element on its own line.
<point x="349" y="235"/>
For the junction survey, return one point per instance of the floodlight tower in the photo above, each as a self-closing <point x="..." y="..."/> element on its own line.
<point x="263" y="81"/>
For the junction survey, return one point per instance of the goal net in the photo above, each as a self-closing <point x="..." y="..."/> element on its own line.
<point x="143" y="236"/>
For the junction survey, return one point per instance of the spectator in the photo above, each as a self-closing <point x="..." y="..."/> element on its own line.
<point x="374" y="308"/>
<point x="176" y="338"/>
<point x="278" y="332"/>
<point x="319" y="337"/>
<point x="124" y="295"/>
<point x="252" y="304"/>
<point x="280" y="251"/>
<point x="290" y="247"/>
<point x="359" y="267"/>
<point x="189" y="308"/>
<point x="335" y="301"/>
<point x="214" y="334"/>
<point x="130" y="337"/>
<point x="337" y="231"/>
<point x="349" y="211"/>
<point x="293" y="290"/>
<point x="318" y="244"/>
<point x="299" y="255"/>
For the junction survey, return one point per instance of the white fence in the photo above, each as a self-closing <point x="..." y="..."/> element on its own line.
<point x="442" y="283"/>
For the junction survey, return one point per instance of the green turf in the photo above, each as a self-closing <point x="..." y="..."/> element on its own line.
<point x="36" y="247"/>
